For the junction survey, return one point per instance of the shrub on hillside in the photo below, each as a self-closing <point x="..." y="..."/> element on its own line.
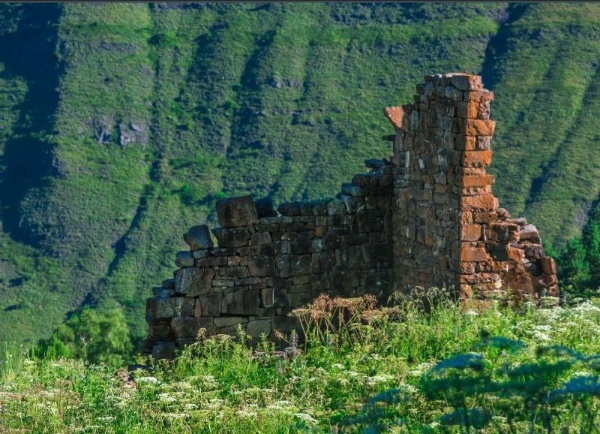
<point x="91" y="335"/>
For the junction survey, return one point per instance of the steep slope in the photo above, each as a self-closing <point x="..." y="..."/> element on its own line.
<point x="543" y="68"/>
<point x="121" y="124"/>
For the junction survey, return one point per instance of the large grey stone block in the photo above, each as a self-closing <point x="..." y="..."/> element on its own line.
<point x="237" y="211"/>
<point x="241" y="303"/>
<point x="193" y="281"/>
<point x="232" y="237"/>
<point x="210" y="304"/>
<point x="198" y="237"/>
<point x="184" y="259"/>
<point x="264" y="207"/>
<point x="229" y="321"/>
<point x="261" y="266"/>
<point x="158" y="308"/>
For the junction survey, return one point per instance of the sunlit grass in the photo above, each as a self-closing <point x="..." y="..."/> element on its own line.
<point x="361" y="367"/>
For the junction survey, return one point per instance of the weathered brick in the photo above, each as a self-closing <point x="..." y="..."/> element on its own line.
<point x="233" y="271"/>
<point x="474" y="254"/>
<point x="477" y="181"/>
<point x="470" y="232"/>
<point x="528" y="233"/>
<point x="394" y="115"/>
<point x="484" y="217"/>
<point x="484" y="202"/>
<point x="504" y="231"/>
<point x="548" y="265"/>
<point x="267" y="297"/>
<point x="504" y="252"/>
<point x="468" y="110"/>
<point x="466" y="81"/>
<point x="230" y="321"/>
<point x="477" y="158"/>
<point x="483" y="95"/>
<point x="478" y="127"/>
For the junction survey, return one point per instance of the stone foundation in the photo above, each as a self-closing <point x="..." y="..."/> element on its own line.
<point x="427" y="217"/>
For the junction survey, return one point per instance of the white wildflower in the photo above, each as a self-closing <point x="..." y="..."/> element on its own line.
<point x="151" y="380"/>
<point x="246" y="414"/>
<point x="541" y="336"/>
<point x="422" y="367"/>
<point x="306" y="418"/>
<point x="182" y="385"/>
<point x="190" y="406"/>
<point x="409" y="388"/>
<point x="175" y="415"/>
<point x="280" y="405"/>
<point x="587" y="307"/>
<point x="165" y="397"/>
<point x="371" y="381"/>
<point x="338" y="366"/>
<point x="105" y="419"/>
<point x="542" y="328"/>
<point x="215" y="403"/>
<point x="471" y="312"/>
<point x="209" y="382"/>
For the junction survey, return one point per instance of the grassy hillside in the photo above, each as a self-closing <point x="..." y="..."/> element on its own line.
<point x="121" y="124"/>
<point x="544" y="73"/>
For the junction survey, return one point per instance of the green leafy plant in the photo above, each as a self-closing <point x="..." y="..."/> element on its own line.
<point x="91" y="335"/>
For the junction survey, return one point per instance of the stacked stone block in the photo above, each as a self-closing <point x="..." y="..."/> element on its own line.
<point x="264" y="266"/>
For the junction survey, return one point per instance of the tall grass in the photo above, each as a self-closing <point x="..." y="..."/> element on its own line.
<point x="424" y="365"/>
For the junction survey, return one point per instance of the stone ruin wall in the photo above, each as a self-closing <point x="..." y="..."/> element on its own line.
<point x="425" y="218"/>
<point x="268" y="263"/>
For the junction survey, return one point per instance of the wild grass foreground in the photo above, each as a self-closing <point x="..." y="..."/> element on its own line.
<point x="363" y="369"/>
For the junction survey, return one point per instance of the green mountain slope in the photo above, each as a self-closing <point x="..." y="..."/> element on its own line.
<point x="121" y="124"/>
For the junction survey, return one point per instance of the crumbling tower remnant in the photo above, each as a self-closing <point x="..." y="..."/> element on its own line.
<point x="448" y="227"/>
<point x="424" y="217"/>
